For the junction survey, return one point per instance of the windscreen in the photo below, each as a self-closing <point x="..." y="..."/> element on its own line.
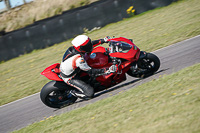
<point x="122" y="47"/>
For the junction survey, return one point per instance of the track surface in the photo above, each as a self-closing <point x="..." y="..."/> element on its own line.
<point x="28" y="110"/>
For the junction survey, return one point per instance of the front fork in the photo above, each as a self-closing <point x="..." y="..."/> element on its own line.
<point x="117" y="63"/>
<point x="143" y="54"/>
<point x="134" y="66"/>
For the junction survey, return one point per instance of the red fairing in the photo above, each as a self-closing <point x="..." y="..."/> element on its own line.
<point x="122" y="39"/>
<point x="97" y="59"/>
<point x="132" y="54"/>
<point x="99" y="49"/>
<point x="52" y="72"/>
<point x="128" y="56"/>
<point x="113" y="79"/>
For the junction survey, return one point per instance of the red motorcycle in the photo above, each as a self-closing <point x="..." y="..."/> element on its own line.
<point x="121" y="52"/>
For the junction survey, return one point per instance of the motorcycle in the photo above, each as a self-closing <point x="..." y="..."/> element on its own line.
<point x="121" y="52"/>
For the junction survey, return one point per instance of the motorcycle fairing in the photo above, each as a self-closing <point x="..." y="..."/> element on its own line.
<point x="131" y="55"/>
<point x="114" y="78"/>
<point x="52" y="72"/>
<point x="99" y="49"/>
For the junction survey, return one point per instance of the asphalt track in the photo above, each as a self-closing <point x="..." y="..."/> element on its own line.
<point x="23" y="112"/>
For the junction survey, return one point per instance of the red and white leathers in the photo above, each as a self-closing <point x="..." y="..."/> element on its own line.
<point x="73" y="60"/>
<point x="71" y="64"/>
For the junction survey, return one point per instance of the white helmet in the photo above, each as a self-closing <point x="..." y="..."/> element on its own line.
<point x="82" y="43"/>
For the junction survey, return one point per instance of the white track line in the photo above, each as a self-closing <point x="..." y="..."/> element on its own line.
<point x="177" y="43"/>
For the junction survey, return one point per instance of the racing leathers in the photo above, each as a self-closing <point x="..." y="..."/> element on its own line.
<point x="71" y="64"/>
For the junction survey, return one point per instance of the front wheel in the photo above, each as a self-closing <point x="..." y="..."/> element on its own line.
<point x="145" y="66"/>
<point x="56" y="94"/>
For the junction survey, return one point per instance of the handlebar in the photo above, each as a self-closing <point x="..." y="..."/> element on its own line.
<point x="113" y="47"/>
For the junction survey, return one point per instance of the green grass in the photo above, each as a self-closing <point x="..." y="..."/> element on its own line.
<point x="27" y="14"/>
<point x="150" y="31"/>
<point x="169" y="104"/>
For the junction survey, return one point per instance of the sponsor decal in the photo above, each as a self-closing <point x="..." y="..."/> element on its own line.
<point x="82" y="61"/>
<point x="93" y="55"/>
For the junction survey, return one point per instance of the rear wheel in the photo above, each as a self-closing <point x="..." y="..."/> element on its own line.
<point x="145" y="67"/>
<point x="56" y="94"/>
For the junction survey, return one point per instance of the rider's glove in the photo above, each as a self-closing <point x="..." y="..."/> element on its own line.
<point x="106" y="39"/>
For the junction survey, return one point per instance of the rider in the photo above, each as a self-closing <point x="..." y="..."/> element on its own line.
<point x="73" y="62"/>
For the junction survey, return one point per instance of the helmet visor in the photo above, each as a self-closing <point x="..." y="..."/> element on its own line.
<point x="87" y="48"/>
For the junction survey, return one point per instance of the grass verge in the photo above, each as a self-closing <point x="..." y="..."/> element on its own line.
<point x="168" y="104"/>
<point x="27" y="14"/>
<point x="150" y="31"/>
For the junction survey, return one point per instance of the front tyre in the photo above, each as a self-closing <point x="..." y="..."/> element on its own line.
<point x="56" y="94"/>
<point x="146" y="66"/>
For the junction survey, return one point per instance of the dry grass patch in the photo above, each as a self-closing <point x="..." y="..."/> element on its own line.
<point x="27" y="14"/>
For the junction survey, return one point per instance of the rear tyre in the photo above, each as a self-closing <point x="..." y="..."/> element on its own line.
<point x="57" y="94"/>
<point x="147" y="66"/>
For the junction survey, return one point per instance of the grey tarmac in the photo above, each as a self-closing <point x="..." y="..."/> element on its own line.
<point x="23" y="112"/>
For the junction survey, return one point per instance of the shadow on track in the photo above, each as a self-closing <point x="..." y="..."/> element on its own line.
<point x="126" y="84"/>
<point x="115" y="88"/>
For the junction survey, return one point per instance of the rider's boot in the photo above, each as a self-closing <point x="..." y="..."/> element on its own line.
<point x="81" y="89"/>
<point x="79" y="94"/>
